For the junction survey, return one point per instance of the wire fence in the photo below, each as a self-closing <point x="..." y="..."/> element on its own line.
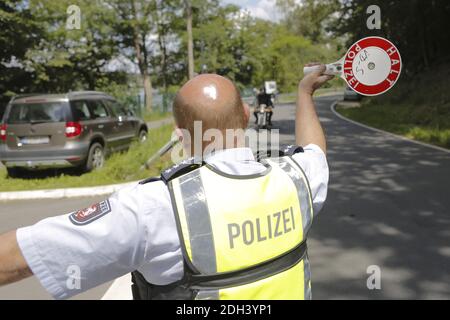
<point x="161" y="103"/>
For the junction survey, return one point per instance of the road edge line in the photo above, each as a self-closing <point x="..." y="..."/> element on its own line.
<point x="333" y="110"/>
<point x="63" y="193"/>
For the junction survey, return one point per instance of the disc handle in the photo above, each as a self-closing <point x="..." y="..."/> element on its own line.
<point x="332" y="69"/>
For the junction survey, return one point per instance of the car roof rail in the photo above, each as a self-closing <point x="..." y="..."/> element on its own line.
<point x="74" y="94"/>
<point x="24" y="95"/>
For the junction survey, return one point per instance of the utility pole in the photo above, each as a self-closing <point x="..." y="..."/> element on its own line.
<point x="190" y="38"/>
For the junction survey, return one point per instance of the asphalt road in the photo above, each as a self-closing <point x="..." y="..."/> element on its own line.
<point x="388" y="206"/>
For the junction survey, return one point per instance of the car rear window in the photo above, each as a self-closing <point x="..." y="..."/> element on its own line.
<point x="37" y="112"/>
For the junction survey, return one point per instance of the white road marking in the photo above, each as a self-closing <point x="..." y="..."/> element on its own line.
<point x="120" y="289"/>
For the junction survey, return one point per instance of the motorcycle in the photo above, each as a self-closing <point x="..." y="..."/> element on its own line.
<point x="262" y="115"/>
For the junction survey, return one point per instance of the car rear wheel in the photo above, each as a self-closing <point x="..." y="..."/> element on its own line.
<point x="96" y="158"/>
<point x="142" y="136"/>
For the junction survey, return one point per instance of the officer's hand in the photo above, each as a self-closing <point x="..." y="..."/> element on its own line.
<point x="314" y="80"/>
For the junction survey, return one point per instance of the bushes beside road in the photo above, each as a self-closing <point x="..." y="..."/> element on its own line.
<point x="119" y="168"/>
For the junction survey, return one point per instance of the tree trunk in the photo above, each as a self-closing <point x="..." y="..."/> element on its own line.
<point x="142" y="63"/>
<point x="190" y="38"/>
<point x="148" y="91"/>
<point x="162" y="46"/>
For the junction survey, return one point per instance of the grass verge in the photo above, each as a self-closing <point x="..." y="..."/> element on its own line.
<point x="418" y="123"/>
<point x="156" y="115"/>
<point x="119" y="168"/>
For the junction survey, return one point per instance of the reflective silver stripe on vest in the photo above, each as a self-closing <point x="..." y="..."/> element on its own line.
<point x="207" y="295"/>
<point x="307" y="278"/>
<point x="302" y="192"/>
<point x="198" y="222"/>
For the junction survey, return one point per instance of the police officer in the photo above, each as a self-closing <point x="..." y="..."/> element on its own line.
<point x="195" y="232"/>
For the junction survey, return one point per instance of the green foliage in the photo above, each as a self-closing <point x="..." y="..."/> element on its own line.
<point x="119" y="168"/>
<point x="82" y="55"/>
<point x="157" y="115"/>
<point x="19" y="30"/>
<point x="309" y="18"/>
<point x="251" y="51"/>
<point x="52" y="58"/>
<point x="403" y="119"/>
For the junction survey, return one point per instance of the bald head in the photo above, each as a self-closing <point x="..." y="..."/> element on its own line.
<point x="211" y="99"/>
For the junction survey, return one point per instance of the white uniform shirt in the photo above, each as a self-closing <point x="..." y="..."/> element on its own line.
<point x="133" y="230"/>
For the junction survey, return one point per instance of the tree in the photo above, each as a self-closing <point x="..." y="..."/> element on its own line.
<point x="167" y="19"/>
<point x="65" y="59"/>
<point x="20" y="31"/>
<point x="133" y="27"/>
<point x="190" y="40"/>
<point x="308" y="18"/>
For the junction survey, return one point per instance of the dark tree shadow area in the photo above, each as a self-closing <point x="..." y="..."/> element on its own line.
<point x="28" y="174"/>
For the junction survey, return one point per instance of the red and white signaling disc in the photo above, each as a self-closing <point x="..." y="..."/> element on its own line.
<point x="372" y="66"/>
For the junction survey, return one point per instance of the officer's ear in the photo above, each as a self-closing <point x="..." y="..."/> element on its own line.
<point x="179" y="134"/>
<point x="246" y="112"/>
<point x="184" y="137"/>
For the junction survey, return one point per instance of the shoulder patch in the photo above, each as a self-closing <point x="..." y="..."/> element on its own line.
<point x="90" y="214"/>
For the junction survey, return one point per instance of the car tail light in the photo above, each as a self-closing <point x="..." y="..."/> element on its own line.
<point x="3" y="132"/>
<point x="73" y="129"/>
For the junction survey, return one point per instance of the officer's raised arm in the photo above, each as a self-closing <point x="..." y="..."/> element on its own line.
<point x="307" y="125"/>
<point x="13" y="266"/>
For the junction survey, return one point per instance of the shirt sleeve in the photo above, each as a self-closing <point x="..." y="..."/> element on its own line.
<point x="314" y="162"/>
<point x="72" y="253"/>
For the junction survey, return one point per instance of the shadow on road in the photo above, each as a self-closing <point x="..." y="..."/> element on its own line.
<point x="388" y="205"/>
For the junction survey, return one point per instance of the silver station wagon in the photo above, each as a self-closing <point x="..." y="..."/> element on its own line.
<point x="77" y="129"/>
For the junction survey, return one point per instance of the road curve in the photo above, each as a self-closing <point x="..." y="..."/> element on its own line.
<point x="388" y="207"/>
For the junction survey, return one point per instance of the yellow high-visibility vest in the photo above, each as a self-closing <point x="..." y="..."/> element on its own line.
<point x="242" y="237"/>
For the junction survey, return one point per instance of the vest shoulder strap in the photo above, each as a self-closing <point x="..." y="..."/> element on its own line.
<point x="291" y="150"/>
<point x="284" y="151"/>
<point x="192" y="164"/>
<point x="180" y="169"/>
<point x="151" y="179"/>
<point x="176" y="171"/>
